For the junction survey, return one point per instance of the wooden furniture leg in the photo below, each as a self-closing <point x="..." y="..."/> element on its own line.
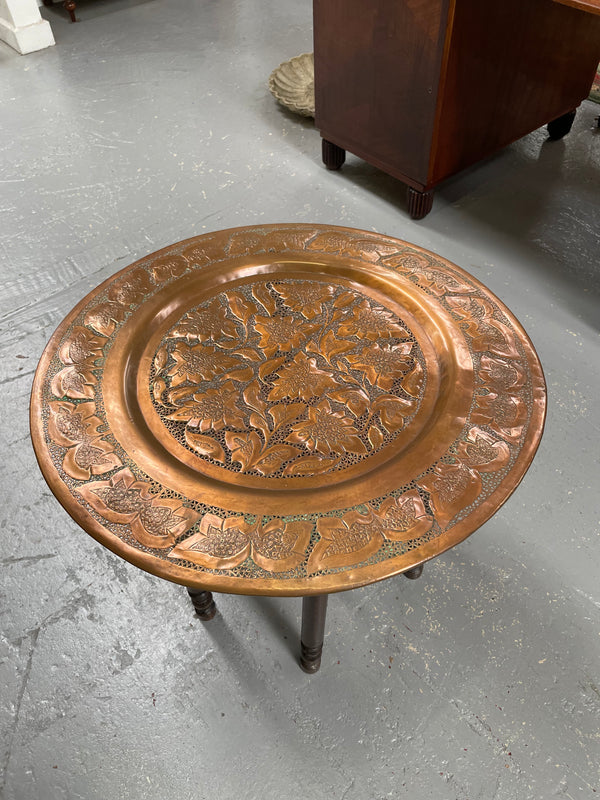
<point x="419" y="203"/>
<point x="314" y="612"/>
<point x="561" y="126"/>
<point x="333" y="156"/>
<point x="203" y="603"/>
<point x="71" y="6"/>
<point x="414" y="573"/>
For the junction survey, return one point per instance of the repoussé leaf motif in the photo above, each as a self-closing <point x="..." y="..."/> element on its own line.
<point x="287" y="377"/>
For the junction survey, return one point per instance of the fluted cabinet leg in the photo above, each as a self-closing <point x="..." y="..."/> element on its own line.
<point x="203" y="603"/>
<point x="333" y="156"/>
<point x="419" y="203"/>
<point x="314" y="613"/>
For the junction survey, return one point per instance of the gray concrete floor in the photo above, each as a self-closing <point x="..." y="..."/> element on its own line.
<point x="150" y="122"/>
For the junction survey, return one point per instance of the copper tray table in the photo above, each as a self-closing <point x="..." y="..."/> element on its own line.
<point x="286" y="410"/>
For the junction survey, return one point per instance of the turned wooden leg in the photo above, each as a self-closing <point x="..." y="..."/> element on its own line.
<point x="414" y="573"/>
<point x="333" y="156"/>
<point x="419" y="203"/>
<point x="71" y="6"/>
<point x="203" y="603"/>
<point x="561" y="126"/>
<point x="314" y="612"/>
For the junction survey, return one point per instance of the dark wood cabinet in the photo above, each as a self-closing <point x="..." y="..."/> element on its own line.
<point x="424" y="88"/>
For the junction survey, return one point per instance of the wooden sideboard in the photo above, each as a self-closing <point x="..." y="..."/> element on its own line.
<point x="425" y="88"/>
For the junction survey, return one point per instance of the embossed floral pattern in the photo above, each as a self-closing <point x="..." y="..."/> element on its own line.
<point x="301" y="378"/>
<point x="105" y="317"/>
<point x="354" y="536"/>
<point x="393" y="411"/>
<point x="79" y="352"/>
<point x="163" y="269"/>
<point x="76" y="428"/>
<point x="132" y="288"/>
<point x="439" y="282"/>
<point x="344" y="541"/>
<point x="206" y="323"/>
<point x="281" y="333"/>
<point x="224" y="543"/>
<point x="484" y="452"/>
<point x="327" y="431"/>
<point x="505" y="414"/>
<point x="307" y="298"/>
<point x="347" y="244"/>
<point x="369" y="321"/>
<point x="289" y="378"/>
<point x="200" y="363"/>
<point x="501" y="375"/>
<point x="291" y="374"/>
<point x="211" y="410"/>
<point x="411" y="262"/>
<point x="154" y="520"/>
<point x="487" y="333"/>
<point x="383" y="365"/>
<point x="403" y="518"/>
<point x="451" y="488"/>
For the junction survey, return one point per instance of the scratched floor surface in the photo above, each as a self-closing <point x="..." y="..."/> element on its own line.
<point x="150" y="122"/>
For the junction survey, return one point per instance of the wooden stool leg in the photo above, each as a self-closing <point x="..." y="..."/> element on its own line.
<point x="71" y="6"/>
<point x="314" y="612"/>
<point x="333" y="156"/>
<point x="203" y="603"/>
<point x="414" y="573"/>
<point x="419" y="203"/>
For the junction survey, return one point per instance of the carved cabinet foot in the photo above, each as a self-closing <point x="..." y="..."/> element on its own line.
<point x="314" y="612"/>
<point x="419" y="203"/>
<point x="203" y="603"/>
<point x="414" y="573"/>
<point x="561" y="126"/>
<point x="333" y="156"/>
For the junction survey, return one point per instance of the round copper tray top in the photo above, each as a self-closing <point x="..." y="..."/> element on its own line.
<point x="286" y="409"/>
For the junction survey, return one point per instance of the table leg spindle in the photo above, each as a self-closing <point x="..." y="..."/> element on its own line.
<point x="414" y="573"/>
<point x="203" y="603"/>
<point x="314" y="612"/>
<point x="70" y="6"/>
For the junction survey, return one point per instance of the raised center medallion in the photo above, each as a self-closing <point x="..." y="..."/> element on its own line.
<point x="287" y="378"/>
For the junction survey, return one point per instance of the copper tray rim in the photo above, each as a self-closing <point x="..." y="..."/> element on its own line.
<point x="322" y="584"/>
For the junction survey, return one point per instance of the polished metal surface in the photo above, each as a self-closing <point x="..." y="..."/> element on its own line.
<point x="286" y="409"/>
